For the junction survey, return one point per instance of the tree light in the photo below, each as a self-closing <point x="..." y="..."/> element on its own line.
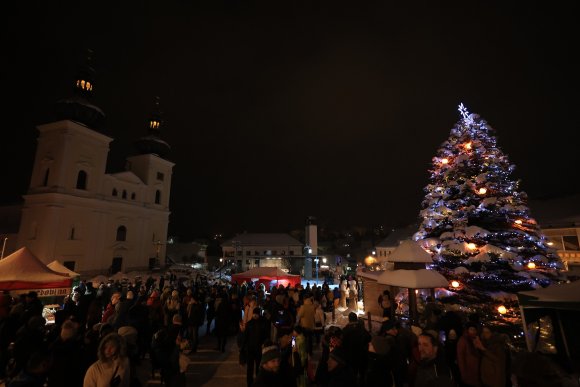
<point x="502" y="309"/>
<point x="455" y="284"/>
<point x="531" y="265"/>
<point x="445" y="161"/>
<point x="471" y="246"/>
<point x="468" y="146"/>
<point x="519" y="221"/>
<point x="482" y="191"/>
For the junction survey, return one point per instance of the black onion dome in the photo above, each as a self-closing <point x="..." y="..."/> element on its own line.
<point x="152" y="144"/>
<point x="78" y="107"/>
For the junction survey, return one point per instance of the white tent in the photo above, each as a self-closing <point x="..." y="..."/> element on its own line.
<point x="60" y="268"/>
<point x="411" y="252"/>
<point x="413" y="279"/>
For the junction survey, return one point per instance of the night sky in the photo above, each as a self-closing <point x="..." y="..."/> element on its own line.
<point x="280" y="111"/>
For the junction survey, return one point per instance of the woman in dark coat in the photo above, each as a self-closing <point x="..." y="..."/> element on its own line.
<point x="223" y="320"/>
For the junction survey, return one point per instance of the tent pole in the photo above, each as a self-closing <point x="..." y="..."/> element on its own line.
<point x="525" y="326"/>
<point x="563" y="334"/>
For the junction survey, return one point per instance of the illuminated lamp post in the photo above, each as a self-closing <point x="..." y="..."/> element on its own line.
<point x="316" y="260"/>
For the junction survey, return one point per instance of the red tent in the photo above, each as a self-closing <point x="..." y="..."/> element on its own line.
<point x="269" y="276"/>
<point x="22" y="270"/>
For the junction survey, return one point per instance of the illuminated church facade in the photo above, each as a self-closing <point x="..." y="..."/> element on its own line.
<point x="91" y="221"/>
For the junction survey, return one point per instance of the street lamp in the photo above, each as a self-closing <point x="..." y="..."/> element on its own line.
<point x="316" y="262"/>
<point x="221" y="267"/>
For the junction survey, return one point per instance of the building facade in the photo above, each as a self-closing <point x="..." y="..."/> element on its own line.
<point x="89" y="220"/>
<point x="248" y="250"/>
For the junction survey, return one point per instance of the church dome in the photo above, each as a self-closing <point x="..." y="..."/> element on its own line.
<point x="152" y="143"/>
<point x="78" y="107"/>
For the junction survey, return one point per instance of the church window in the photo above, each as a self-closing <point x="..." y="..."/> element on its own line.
<point x="121" y="233"/>
<point x="160" y="176"/>
<point x="82" y="180"/>
<point x="72" y="233"/>
<point x="133" y="196"/>
<point x="157" y="197"/>
<point x="124" y="195"/>
<point x="114" y="191"/>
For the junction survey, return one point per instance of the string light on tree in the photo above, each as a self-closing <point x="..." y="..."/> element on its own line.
<point x="444" y="160"/>
<point x="482" y="191"/>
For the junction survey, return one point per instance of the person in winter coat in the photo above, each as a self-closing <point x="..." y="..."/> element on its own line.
<point x="195" y="317"/>
<point x="269" y="374"/>
<point x="223" y="320"/>
<point x="340" y="374"/>
<point x="68" y="368"/>
<point x="109" y="312"/>
<point x="432" y="370"/>
<point x="494" y="359"/>
<point x="306" y="319"/>
<point x="112" y="368"/>
<point x="468" y="355"/>
<point x="319" y="321"/>
<point x="255" y="336"/>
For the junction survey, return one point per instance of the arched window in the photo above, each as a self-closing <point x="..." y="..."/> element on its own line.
<point x="45" y="181"/>
<point x="114" y="191"/>
<point x="121" y="233"/>
<point x="133" y="196"/>
<point x="72" y="233"/>
<point x="124" y="195"/>
<point x="157" y="197"/>
<point x="82" y="180"/>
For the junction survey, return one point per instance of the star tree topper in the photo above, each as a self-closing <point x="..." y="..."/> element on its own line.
<point x="463" y="111"/>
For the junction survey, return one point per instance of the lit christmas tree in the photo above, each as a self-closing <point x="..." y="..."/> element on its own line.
<point x="475" y="219"/>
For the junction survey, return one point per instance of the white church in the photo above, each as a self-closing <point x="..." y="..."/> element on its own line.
<point x="91" y="221"/>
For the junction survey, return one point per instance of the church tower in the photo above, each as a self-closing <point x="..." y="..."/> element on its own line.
<point x="150" y="165"/>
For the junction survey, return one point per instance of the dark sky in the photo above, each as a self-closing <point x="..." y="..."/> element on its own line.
<point x="279" y="111"/>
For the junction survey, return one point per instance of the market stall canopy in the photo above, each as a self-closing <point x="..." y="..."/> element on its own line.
<point x="554" y="312"/>
<point x="23" y="270"/>
<point x="409" y="252"/>
<point x="413" y="279"/>
<point x="556" y="295"/>
<point x="60" y="268"/>
<point x="265" y="275"/>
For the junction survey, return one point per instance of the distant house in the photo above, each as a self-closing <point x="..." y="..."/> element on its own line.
<point x="559" y="219"/>
<point x="248" y="250"/>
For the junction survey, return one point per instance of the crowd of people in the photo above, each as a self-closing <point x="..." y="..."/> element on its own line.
<point x="101" y="335"/>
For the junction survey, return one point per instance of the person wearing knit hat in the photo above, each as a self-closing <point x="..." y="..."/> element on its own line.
<point x="269" y="374"/>
<point x="269" y="353"/>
